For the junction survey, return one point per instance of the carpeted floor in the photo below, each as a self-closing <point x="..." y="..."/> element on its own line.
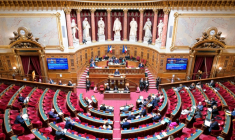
<point x="116" y="104"/>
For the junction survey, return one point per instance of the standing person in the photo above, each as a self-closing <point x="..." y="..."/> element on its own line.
<point x="146" y="84"/>
<point x="158" y="81"/>
<point x="141" y="84"/>
<point x="88" y="84"/>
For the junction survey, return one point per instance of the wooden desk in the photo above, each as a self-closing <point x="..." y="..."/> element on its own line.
<point x="117" y="96"/>
<point x="117" y="66"/>
<point x="130" y="63"/>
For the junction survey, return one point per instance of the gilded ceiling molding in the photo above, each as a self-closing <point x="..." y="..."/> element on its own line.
<point x="176" y="15"/>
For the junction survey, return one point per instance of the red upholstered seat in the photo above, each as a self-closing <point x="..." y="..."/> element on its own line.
<point x="36" y="123"/>
<point x="92" y="85"/>
<point x="23" y="138"/>
<point x="2" y="136"/>
<point x="18" y="130"/>
<point x="138" y="58"/>
<point x="198" y="124"/>
<point x="216" y="132"/>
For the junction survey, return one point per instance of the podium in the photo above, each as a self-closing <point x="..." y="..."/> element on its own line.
<point x="119" y="81"/>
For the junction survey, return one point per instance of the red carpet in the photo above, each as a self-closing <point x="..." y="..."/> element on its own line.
<point x="116" y="104"/>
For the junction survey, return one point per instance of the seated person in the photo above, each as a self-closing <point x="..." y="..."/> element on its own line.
<point x="212" y="83"/>
<point x="19" y="120"/>
<point x="161" y="96"/>
<point x="115" y="88"/>
<point x="213" y="102"/>
<point x="116" y="61"/>
<point x="116" y="72"/>
<point x="180" y="87"/>
<point x="200" y="106"/>
<point x="215" y="111"/>
<point x="192" y="86"/>
<point x="106" y="57"/>
<point x="51" y="81"/>
<point x="233" y="112"/>
<point x="21" y="98"/>
<point x="198" y="114"/>
<point x="156" y="117"/>
<point x="214" y="125"/>
<point x="200" y="84"/>
<point x="87" y="101"/>
<point x="141" y="65"/>
<point x="96" y="58"/>
<point x="123" y="60"/>
<point x="131" y="116"/>
<point x="110" y="60"/>
<point x="174" y="124"/>
<point x="92" y="65"/>
<point x="107" y="88"/>
<point x="103" y="108"/>
<point x="154" y="102"/>
<point x="126" y="88"/>
<point x="143" y="112"/>
<point x="149" y="97"/>
<point x="53" y="115"/>
<point x="60" y="135"/>
<point x="113" y="57"/>
<point x="144" y="103"/>
<point x="70" y="83"/>
<point x="125" y="124"/>
<point x="127" y="57"/>
<point x="60" y="83"/>
<point x="69" y="124"/>
<point x="109" y="109"/>
<point x="185" y="111"/>
<point x="107" y="126"/>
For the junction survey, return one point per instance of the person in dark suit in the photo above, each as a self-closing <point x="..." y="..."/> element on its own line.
<point x="214" y="125"/>
<point x="156" y="117"/>
<point x="92" y="65"/>
<point x="60" y="83"/>
<point x="215" y="111"/>
<point x="198" y="114"/>
<point x="106" y="57"/>
<point x="233" y="113"/>
<point x="88" y="84"/>
<point x="21" y="98"/>
<point x="116" y="61"/>
<point x="127" y="57"/>
<point x="200" y="106"/>
<point x="69" y="124"/>
<point x="141" y="65"/>
<point x="126" y="124"/>
<point x="53" y="115"/>
<point x="20" y="120"/>
<point x="131" y="116"/>
<point x="86" y="101"/>
<point x="70" y="83"/>
<point x="60" y="135"/>
<point x="103" y="108"/>
<point x="51" y="81"/>
<point x="180" y="87"/>
<point x="113" y="57"/>
<point x="213" y="102"/>
<point x="154" y="102"/>
<point x="158" y="81"/>
<point x="212" y="83"/>
<point x="115" y="88"/>
<point x="126" y="88"/>
<point x="149" y="97"/>
<point x="146" y="84"/>
<point x="141" y="84"/>
<point x="107" y="88"/>
<point x="143" y="112"/>
<point x="116" y="72"/>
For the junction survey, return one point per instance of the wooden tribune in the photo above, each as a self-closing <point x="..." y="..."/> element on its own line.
<point x="117" y="96"/>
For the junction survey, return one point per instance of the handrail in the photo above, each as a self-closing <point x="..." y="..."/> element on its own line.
<point x="132" y="82"/>
<point x="153" y="71"/>
<point x="98" y="84"/>
<point x="79" y="72"/>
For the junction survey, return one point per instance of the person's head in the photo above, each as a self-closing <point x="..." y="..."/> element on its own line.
<point x="106" y="123"/>
<point x="125" y="119"/>
<point x="116" y="69"/>
<point x="212" y="99"/>
<point x="131" y="113"/>
<point x="148" y="19"/>
<point x="197" y="109"/>
<point x="21" y="114"/>
<point x="69" y="81"/>
<point x="188" y="108"/>
<point x="214" y="107"/>
<point x="20" y="95"/>
<point x="116" y="58"/>
<point x="177" y="121"/>
<point x="60" y="129"/>
<point x="193" y="84"/>
<point x="212" y="81"/>
<point x="60" y="81"/>
<point x="52" y="110"/>
<point x="142" y="79"/>
<point x="103" y="104"/>
<point x="181" y="85"/>
<point x="146" y="79"/>
<point x="106" y="55"/>
<point x="212" y="120"/>
<point x="69" y="119"/>
<point x="86" y="98"/>
<point x="87" y="79"/>
<point x="200" y="103"/>
<point x="144" y="99"/>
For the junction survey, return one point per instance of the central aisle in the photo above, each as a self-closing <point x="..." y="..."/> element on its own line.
<point x="116" y="104"/>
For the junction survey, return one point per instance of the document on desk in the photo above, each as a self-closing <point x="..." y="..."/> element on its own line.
<point x="207" y="123"/>
<point x="164" y="133"/>
<point x="159" y="137"/>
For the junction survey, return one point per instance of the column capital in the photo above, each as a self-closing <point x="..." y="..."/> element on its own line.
<point x="78" y="10"/>
<point x="109" y="10"/>
<point x="155" y="11"/>
<point x="92" y="10"/>
<point x="125" y="10"/>
<point x="141" y="10"/>
<point x="67" y="10"/>
<point x="166" y="11"/>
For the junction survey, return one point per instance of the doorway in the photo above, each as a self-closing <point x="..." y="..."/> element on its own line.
<point x="204" y="64"/>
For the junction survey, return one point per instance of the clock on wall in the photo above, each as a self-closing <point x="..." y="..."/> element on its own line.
<point x="23" y="31"/>
<point x="211" y="32"/>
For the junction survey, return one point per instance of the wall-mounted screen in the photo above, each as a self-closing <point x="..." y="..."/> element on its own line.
<point x="176" y="63"/>
<point x="57" y="63"/>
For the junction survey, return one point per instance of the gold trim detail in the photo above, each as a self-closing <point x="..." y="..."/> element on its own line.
<point x="176" y="15"/>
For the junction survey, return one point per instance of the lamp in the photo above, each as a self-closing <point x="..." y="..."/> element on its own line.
<point x="220" y="68"/>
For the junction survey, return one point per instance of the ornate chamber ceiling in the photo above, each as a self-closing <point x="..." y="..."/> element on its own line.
<point x="117" y="4"/>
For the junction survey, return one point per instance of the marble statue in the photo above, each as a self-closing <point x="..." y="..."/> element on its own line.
<point x="74" y="29"/>
<point x="160" y="28"/>
<point x="101" y="27"/>
<point x="86" y="26"/>
<point x="147" y="28"/>
<point x="133" y="30"/>
<point x="117" y="27"/>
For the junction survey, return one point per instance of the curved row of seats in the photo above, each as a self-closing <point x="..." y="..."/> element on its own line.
<point x="175" y="103"/>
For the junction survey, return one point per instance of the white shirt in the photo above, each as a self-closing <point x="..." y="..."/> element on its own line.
<point x="109" y="127"/>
